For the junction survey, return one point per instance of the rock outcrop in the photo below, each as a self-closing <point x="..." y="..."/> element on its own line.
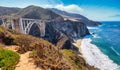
<point x="65" y="32"/>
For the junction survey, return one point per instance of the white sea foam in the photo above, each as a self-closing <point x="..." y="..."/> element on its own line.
<point x="92" y="27"/>
<point x="95" y="57"/>
<point x="95" y="35"/>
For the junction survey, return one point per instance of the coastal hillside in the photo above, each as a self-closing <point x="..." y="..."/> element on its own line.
<point x="40" y="13"/>
<point x="58" y="31"/>
<point x="43" y="54"/>
<point x="8" y="10"/>
<point x="54" y="51"/>
<point x="36" y="12"/>
<point x="77" y="17"/>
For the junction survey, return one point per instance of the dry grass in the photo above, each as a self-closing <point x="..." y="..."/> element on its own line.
<point x="77" y="62"/>
<point x="47" y="56"/>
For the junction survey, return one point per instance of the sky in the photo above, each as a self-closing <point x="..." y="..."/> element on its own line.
<point x="98" y="10"/>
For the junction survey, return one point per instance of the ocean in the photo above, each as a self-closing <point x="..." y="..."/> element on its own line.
<point x="102" y="49"/>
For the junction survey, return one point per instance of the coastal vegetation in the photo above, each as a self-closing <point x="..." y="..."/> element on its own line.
<point x="77" y="62"/>
<point x="8" y="59"/>
<point x="44" y="54"/>
<point x="48" y="55"/>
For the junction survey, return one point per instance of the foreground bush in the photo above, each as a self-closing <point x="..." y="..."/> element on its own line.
<point x="8" y="59"/>
<point x="49" y="58"/>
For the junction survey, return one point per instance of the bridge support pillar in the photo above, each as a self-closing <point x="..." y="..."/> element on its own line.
<point x="21" y="25"/>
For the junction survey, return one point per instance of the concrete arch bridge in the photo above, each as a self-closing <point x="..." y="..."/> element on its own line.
<point x="35" y="27"/>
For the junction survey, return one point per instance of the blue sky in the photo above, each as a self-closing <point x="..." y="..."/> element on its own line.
<point x="99" y="10"/>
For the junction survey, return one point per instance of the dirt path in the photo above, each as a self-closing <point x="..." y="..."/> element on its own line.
<point x="26" y="63"/>
<point x="12" y="47"/>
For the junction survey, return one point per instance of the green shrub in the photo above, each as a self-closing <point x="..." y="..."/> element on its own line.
<point x="8" y="59"/>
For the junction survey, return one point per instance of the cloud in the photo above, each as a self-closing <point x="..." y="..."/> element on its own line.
<point x="47" y="6"/>
<point x="117" y="15"/>
<point x="70" y="8"/>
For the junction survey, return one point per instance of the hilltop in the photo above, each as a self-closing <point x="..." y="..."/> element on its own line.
<point x="36" y="12"/>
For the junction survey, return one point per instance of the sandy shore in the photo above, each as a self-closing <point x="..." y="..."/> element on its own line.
<point x="78" y="44"/>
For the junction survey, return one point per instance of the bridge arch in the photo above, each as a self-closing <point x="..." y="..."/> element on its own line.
<point x="36" y="28"/>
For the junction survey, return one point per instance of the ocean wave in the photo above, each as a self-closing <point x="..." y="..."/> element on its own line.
<point x="96" y="36"/>
<point x="95" y="57"/>
<point x="92" y="27"/>
<point x="115" y="51"/>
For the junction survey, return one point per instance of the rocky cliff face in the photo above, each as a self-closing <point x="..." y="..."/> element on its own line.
<point x="63" y="33"/>
<point x="71" y="29"/>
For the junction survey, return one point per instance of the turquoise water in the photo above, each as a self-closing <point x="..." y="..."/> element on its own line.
<point x="108" y="39"/>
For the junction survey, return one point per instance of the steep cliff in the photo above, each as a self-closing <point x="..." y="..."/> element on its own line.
<point x="63" y="33"/>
